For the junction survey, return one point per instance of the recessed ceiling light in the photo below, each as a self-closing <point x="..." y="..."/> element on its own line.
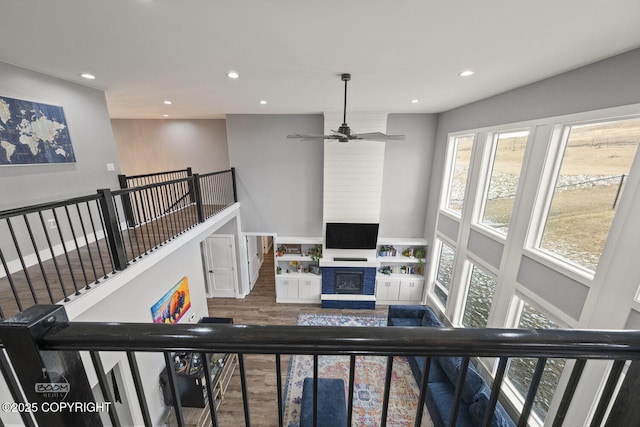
<point x="168" y="102"/>
<point x="263" y="102"/>
<point x="415" y="101"/>
<point x="88" y="76"/>
<point x="466" y="73"/>
<point x="233" y="75"/>
<point x="165" y="115"/>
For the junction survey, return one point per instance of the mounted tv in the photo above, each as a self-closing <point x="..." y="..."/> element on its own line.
<point x="342" y="235"/>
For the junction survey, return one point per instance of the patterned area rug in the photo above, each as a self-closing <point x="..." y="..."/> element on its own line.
<point x="369" y="378"/>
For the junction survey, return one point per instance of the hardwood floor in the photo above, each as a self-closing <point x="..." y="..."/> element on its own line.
<point x="260" y="308"/>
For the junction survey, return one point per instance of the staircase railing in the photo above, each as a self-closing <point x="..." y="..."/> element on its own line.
<point x="51" y="251"/>
<point x="41" y="339"/>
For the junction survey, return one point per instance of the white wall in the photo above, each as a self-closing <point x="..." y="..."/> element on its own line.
<point x="129" y="295"/>
<point x="147" y="146"/>
<point x="87" y="118"/>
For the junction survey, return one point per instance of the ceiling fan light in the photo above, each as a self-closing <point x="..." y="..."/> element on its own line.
<point x="415" y="101"/>
<point x="263" y="102"/>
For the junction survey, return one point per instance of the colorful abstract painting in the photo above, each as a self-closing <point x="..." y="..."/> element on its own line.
<point x="172" y="306"/>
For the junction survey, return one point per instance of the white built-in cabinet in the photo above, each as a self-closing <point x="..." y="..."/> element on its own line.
<point x="296" y="281"/>
<point x="400" y="277"/>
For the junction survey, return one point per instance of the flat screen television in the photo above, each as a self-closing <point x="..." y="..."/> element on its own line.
<point x="342" y="235"/>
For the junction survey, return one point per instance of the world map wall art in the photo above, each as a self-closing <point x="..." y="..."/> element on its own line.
<point x="33" y="133"/>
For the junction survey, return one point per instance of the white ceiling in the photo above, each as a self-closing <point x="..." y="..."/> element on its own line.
<point x="291" y="52"/>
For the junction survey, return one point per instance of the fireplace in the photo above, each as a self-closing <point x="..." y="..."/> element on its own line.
<point x="348" y="287"/>
<point x="348" y="281"/>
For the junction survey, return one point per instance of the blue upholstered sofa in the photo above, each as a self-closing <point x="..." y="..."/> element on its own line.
<point x="443" y="375"/>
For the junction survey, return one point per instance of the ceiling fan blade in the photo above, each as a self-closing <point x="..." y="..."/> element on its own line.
<point x="379" y="136"/>
<point x="309" y="137"/>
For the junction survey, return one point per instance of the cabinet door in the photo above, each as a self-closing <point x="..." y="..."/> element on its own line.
<point x="309" y="288"/>
<point x="387" y="289"/>
<point x="411" y="289"/>
<point x="286" y="288"/>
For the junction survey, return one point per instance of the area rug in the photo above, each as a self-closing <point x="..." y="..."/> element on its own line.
<point x="369" y="378"/>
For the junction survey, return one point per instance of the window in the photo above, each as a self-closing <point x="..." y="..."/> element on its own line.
<point x="508" y="155"/>
<point x="520" y="371"/>
<point x="462" y="146"/>
<point x="596" y="160"/>
<point x="444" y="272"/>
<point x="479" y="299"/>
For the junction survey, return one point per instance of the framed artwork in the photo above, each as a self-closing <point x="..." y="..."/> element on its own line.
<point x="33" y="133"/>
<point x="172" y="306"/>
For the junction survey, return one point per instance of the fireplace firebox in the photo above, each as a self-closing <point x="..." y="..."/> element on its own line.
<point x="348" y="281"/>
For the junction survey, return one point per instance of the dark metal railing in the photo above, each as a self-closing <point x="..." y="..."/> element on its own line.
<point x="46" y="329"/>
<point x="129" y="181"/>
<point x="51" y="251"/>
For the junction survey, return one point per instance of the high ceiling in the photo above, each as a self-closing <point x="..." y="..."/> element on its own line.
<point x="291" y="52"/>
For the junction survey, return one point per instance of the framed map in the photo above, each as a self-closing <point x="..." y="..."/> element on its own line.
<point x="33" y="133"/>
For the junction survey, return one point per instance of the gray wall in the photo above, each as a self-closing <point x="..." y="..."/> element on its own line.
<point x="87" y="117"/>
<point x="608" y="83"/>
<point x="147" y="146"/>
<point x="406" y="175"/>
<point x="279" y="180"/>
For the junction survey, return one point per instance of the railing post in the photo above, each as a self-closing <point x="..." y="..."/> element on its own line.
<point x="233" y="181"/>
<point x="197" y="191"/>
<point x="192" y="198"/>
<point x="126" y="201"/>
<point x="50" y="380"/>
<point x="112" y="229"/>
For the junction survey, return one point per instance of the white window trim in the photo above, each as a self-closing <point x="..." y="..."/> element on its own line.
<point x="488" y="163"/>
<point x="438" y="242"/>
<point x="471" y="262"/>
<point x="450" y="165"/>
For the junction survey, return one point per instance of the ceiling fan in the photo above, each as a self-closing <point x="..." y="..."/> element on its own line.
<point x="344" y="134"/>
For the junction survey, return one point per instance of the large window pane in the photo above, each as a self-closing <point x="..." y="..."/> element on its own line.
<point x="596" y="161"/>
<point x="444" y="272"/>
<point x="459" y="173"/>
<point x="503" y="182"/>
<point x="520" y="371"/>
<point x="479" y="299"/>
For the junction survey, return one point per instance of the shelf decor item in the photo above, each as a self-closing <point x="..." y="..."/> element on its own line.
<point x="290" y="249"/>
<point x="316" y="253"/>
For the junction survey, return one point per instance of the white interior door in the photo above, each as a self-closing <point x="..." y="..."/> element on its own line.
<point x="219" y="253"/>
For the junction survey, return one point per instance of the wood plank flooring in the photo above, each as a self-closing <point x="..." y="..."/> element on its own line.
<point x="260" y="308"/>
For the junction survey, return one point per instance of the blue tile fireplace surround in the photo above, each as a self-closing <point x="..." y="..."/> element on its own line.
<point x="350" y="283"/>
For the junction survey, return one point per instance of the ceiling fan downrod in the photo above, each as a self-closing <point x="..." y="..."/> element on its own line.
<point x="344" y="129"/>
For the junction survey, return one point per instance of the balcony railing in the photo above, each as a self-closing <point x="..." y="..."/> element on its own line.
<point x="52" y="251"/>
<point x="41" y="339"/>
